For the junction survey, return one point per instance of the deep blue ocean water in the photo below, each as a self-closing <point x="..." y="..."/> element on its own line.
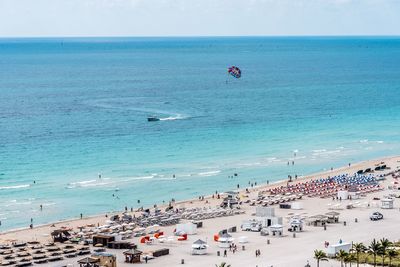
<point x="73" y="108"/>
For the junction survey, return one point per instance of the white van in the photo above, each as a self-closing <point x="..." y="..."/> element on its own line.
<point x="252" y="225"/>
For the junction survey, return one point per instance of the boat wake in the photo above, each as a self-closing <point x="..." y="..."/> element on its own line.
<point x="172" y="118"/>
<point x="135" y="105"/>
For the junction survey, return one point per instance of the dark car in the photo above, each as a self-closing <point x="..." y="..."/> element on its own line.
<point x="376" y="216"/>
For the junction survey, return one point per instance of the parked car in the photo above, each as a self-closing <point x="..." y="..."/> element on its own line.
<point x="253" y="226"/>
<point x="264" y="232"/>
<point x="376" y="216"/>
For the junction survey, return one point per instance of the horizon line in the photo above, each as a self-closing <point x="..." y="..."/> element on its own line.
<point x="197" y="36"/>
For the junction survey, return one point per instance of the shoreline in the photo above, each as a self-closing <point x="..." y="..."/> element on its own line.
<point x="260" y="187"/>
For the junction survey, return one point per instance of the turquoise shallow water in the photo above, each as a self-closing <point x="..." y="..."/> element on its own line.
<point x="73" y="108"/>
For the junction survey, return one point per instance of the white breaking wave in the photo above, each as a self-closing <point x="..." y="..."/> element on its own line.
<point x="83" y="182"/>
<point x="89" y="183"/>
<point x="138" y="178"/>
<point x="319" y="150"/>
<point x="14" y="186"/>
<point x="324" y="152"/>
<point x="210" y="173"/>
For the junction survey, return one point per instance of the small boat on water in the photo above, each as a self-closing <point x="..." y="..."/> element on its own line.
<point x="152" y="118"/>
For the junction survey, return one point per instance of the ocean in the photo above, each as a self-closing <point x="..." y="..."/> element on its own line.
<point x="72" y="109"/>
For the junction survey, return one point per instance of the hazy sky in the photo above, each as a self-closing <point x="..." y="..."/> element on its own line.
<point x="198" y="17"/>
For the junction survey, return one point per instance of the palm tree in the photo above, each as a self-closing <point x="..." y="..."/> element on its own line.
<point x="349" y="259"/>
<point x="319" y="255"/>
<point x="374" y="248"/>
<point x="358" y="248"/>
<point x="391" y="253"/>
<point x="341" y="255"/>
<point x="223" y="265"/>
<point x="385" y="244"/>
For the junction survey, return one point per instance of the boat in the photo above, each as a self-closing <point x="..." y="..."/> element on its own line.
<point x="152" y="118"/>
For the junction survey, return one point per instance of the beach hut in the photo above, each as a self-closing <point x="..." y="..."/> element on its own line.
<point x="225" y="240"/>
<point x="120" y="245"/>
<point x="276" y="229"/>
<point x="132" y="256"/>
<point x="103" y="239"/>
<point x="332" y="217"/>
<point x="199" y="247"/>
<point x="89" y="262"/>
<point x="387" y="203"/>
<point x="106" y="259"/>
<point x="229" y="202"/>
<point x="60" y="235"/>
<point x="267" y="216"/>
<point x="317" y="220"/>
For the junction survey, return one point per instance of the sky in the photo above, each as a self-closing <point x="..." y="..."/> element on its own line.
<point x="63" y="18"/>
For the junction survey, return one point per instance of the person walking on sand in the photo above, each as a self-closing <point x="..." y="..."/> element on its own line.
<point x="225" y="253"/>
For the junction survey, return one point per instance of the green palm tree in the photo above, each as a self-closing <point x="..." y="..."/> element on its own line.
<point x="374" y="248"/>
<point x="385" y="244"/>
<point x="391" y="253"/>
<point x="349" y="259"/>
<point x="358" y="248"/>
<point x="319" y="255"/>
<point x="223" y="264"/>
<point x="341" y="255"/>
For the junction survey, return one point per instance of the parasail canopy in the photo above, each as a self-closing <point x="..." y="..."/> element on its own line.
<point x="235" y="72"/>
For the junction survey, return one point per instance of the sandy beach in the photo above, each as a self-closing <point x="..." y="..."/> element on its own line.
<point x="300" y="249"/>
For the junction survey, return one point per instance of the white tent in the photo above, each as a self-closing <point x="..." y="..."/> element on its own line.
<point x="199" y="247"/>
<point x="225" y="240"/>
<point x="188" y="228"/>
<point x="296" y="224"/>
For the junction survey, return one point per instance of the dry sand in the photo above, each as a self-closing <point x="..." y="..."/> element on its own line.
<point x="282" y="251"/>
